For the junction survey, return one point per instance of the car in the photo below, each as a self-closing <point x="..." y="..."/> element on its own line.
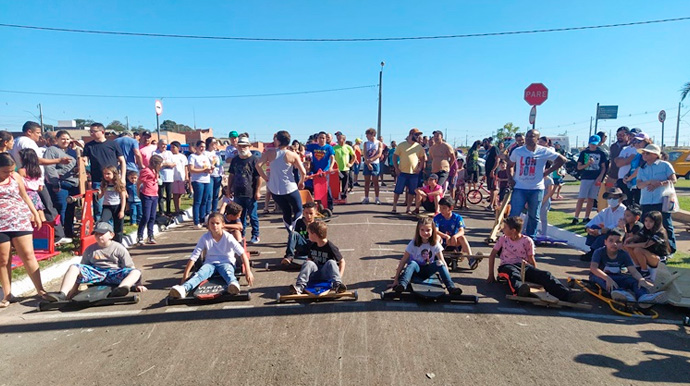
<point x="680" y="160"/>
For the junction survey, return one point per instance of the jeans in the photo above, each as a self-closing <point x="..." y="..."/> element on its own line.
<point x="97" y="204"/>
<point x="50" y="213"/>
<point x="532" y="198"/>
<point x="312" y="274"/>
<point x="249" y="207"/>
<point x="110" y="215"/>
<point x="595" y="242"/>
<point x="296" y="245"/>
<point x="201" y="191"/>
<point x="511" y="272"/>
<point x="344" y="183"/>
<point x="65" y="210"/>
<point x="625" y="282"/>
<point x="216" y="183"/>
<point x="135" y="212"/>
<point x="424" y="272"/>
<point x="148" y="216"/>
<point x="666" y="220"/>
<point x="225" y="270"/>
<point x="167" y="189"/>
<point x="291" y="206"/>
<point x="542" y="217"/>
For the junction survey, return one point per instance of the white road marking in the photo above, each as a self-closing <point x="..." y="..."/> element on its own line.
<point x="463" y="307"/>
<point x="181" y="309"/>
<point x="330" y="224"/>
<point x="69" y="315"/>
<point x="236" y="307"/>
<point x="270" y="252"/>
<point x="512" y="310"/>
<point x="158" y="258"/>
<point x="347" y="250"/>
<point x="617" y="317"/>
<point x="382" y="249"/>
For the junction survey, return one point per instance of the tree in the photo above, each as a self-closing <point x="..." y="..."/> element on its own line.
<point x="563" y="134"/>
<point x="507" y="131"/>
<point x="684" y="91"/>
<point x="83" y="122"/>
<point x="170" y="125"/>
<point x="116" y="126"/>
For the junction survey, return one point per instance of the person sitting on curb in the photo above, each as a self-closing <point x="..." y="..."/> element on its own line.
<point x="606" y="270"/>
<point x="606" y="219"/>
<point x="515" y="248"/>
<point x="107" y="262"/>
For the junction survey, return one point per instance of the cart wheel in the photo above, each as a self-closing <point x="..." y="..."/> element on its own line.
<point x="571" y="282"/>
<point x="325" y="212"/>
<point x="252" y="263"/>
<point x="136" y="299"/>
<point x="278" y="299"/>
<point x="686" y="321"/>
<point x="383" y="295"/>
<point x="476" y="299"/>
<point x="167" y="300"/>
<point x="454" y="264"/>
<point x="267" y="266"/>
<point x="249" y="295"/>
<point x="356" y="295"/>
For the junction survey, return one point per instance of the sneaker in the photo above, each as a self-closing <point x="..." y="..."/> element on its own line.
<point x="647" y="300"/>
<point x="234" y="288"/>
<point x="383" y="183"/>
<point x="199" y="226"/>
<point x="339" y="287"/>
<point x="366" y="200"/>
<point x="524" y="290"/>
<point x="295" y="289"/>
<point x="55" y="297"/>
<point x="644" y="273"/>
<point x="455" y="291"/>
<point x="575" y="221"/>
<point x="151" y="240"/>
<point x="119" y="292"/>
<point x="254" y="240"/>
<point x="623" y="296"/>
<point x="356" y="184"/>
<point x="399" y="288"/>
<point x="140" y="241"/>
<point x="585" y="220"/>
<point x="177" y="292"/>
<point x="64" y="240"/>
<point x="474" y="263"/>
<point x="576" y="296"/>
<point x="377" y="202"/>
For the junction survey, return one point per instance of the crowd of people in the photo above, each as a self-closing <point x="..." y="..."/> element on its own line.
<point x="135" y="175"/>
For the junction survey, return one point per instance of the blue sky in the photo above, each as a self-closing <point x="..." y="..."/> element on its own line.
<point x="468" y="86"/>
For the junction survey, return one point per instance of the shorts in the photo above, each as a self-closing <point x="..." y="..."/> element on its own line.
<point x="472" y="176"/>
<point x="502" y="193"/>
<point x="375" y="169"/>
<point x="558" y="181"/>
<point x="35" y="199"/>
<point x="89" y="274"/>
<point x="7" y="236"/>
<point x="442" y="176"/>
<point x="429" y="206"/>
<point x="406" y="180"/>
<point x="491" y="182"/>
<point x="588" y="189"/>
<point x="178" y="187"/>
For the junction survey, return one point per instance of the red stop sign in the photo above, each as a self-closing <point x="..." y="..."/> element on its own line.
<point x="536" y="94"/>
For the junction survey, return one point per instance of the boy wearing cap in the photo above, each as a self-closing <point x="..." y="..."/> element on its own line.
<point x="608" y="218"/>
<point x="592" y="166"/>
<point x="245" y="183"/>
<point x="429" y="195"/>
<point x="107" y="262"/>
<point x="654" y="180"/>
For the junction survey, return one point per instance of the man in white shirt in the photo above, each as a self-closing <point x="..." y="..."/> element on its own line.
<point x="607" y="219"/>
<point x="528" y="167"/>
<point x="166" y="176"/>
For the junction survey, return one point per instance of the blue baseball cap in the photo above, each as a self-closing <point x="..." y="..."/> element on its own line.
<point x="594" y="140"/>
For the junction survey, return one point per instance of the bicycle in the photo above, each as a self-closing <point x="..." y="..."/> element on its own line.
<point x="475" y="196"/>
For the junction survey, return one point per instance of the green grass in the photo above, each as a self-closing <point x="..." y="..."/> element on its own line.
<point x="684" y="202"/>
<point x="683" y="183"/>
<point x="680" y="260"/>
<point x="573" y="183"/>
<point x="563" y="219"/>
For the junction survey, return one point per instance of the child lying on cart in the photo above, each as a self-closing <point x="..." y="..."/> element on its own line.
<point x="298" y="239"/>
<point x="607" y="270"/>
<point x="106" y="262"/>
<point x="324" y="261"/>
<point x="220" y="249"/>
<point x="515" y="248"/>
<point x="423" y="258"/>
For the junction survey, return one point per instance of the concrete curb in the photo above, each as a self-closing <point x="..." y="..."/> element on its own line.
<point x="56" y="271"/>
<point x="573" y="239"/>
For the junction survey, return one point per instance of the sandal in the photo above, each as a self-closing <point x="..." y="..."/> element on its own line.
<point x="394" y="211"/>
<point x="4" y="303"/>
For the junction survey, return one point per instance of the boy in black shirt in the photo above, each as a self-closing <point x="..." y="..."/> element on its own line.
<point x="630" y="223"/>
<point x="592" y="167"/>
<point x="298" y="239"/>
<point x="233" y="225"/>
<point x="324" y="261"/>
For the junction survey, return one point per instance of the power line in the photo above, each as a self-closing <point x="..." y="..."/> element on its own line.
<point x="323" y="40"/>
<point x="188" y="97"/>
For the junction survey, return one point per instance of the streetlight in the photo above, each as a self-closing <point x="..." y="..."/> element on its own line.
<point x="378" y="127"/>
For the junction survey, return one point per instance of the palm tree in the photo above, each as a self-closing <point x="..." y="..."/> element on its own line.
<point x="684" y="91"/>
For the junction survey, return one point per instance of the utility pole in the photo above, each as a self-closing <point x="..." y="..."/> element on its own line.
<point x="127" y="120"/>
<point x="40" y="114"/>
<point x="677" y="125"/>
<point x="194" y="115"/>
<point x="378" y="126"/>
<point x="590" y="126"/>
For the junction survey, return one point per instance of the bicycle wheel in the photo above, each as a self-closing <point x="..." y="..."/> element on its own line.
<point x="474" y="196"/>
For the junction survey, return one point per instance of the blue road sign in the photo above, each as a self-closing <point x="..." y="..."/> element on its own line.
<point x="607" y="112"/>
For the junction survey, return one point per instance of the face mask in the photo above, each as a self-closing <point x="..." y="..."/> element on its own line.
<point x="244" y="153"/>
<point x="613" y="202"/>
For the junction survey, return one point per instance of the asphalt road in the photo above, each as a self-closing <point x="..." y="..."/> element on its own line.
<point x="364" y="342"/>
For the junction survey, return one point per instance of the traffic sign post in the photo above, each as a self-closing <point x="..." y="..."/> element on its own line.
<point x="159" y="111"/>
<point x="662" y="119"/>
<point x="604" y="112"/>
<point x="535" y="95"/>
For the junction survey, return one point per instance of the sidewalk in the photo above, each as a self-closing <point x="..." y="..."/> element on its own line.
<point x="680" y="222"/>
